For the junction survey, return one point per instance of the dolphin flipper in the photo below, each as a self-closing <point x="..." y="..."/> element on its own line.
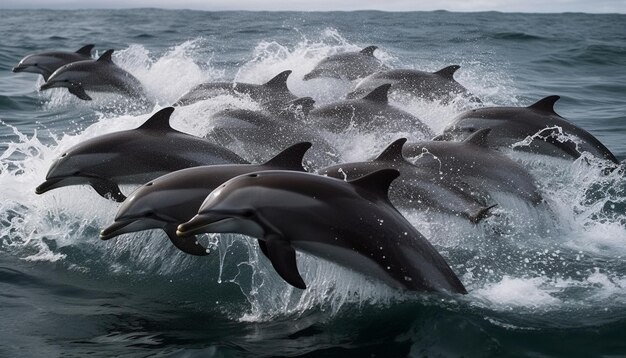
<point x="187" y="245"/>
<point x="107" y="189"/>
<point x="283" y="258"/>
<point x="79" y="92"/>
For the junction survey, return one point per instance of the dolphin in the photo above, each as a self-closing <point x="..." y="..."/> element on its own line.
<point x="101" y="75"/>
<point x="538" y="128"/>
<point x="272" y="90"/>
<point x="372" y="112"/>
<point x="439" y="85"/>
<point x="474" y="163"/>
<point x="259" y="132"/>
<point x="133" y="157"/>
<point x="347" y="65"/>
<point x="351" y="223"/>
<point x="45" y="63"/>
<point x="421" y="188"/>
<point x="174" y="198"/>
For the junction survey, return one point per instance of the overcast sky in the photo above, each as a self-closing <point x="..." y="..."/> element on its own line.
<point x="594" y="6"/>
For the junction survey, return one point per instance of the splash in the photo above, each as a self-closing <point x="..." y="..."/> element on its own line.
<point x="521" y="257"/>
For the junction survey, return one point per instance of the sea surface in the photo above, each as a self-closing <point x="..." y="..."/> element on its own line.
<point x="543" y="282"/>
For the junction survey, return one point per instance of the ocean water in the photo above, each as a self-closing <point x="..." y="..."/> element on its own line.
<point x="543" y="282"/>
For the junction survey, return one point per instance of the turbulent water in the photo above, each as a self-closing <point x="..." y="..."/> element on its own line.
<point x="544" y="281"/>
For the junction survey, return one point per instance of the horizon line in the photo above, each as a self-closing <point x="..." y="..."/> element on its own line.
<point x="305" y="11"/>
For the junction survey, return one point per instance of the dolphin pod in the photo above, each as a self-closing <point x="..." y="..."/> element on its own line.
<point x="45" y="63"/>
<point x="101" y="75"/>
<point x="328" y="218"/>
<point x="133" y="157"/>
<point x="343" y="212"/>
<point x="174" y="198"/>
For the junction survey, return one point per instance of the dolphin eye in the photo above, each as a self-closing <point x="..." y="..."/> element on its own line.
<point x="253" y="175"/>
<point x="63" y="155"/>
<point x="248" y="213"/>
<point x="149" y="184"/>
<point x="149" y="214"/>
<point x="471" y="129"/>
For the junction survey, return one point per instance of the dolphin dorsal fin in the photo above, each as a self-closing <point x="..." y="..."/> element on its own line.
<point x="279" y="82"/>
<point x="86" y="50"/>
<point x="393" y="152"/>
<point x="478" y="138"/>
<point x="369" y="50"/>
<point x="379" y="94"/>
<point x="377" y="182"/>
<point x="291" y="157"/>
<point x="545" y="104"/>
<point x="448" y="72"/>
<point x="159" y="120"/>
<point x="106" y="56"/>
<point x="305" y="103"/>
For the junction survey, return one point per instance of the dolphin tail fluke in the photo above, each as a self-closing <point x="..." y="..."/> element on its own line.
<point x="283" y="258"/>
<point x="79" y="92"/>
<point x="279" y="82"/>
<point x="476" y="216"/>
<point x="86" y="50"/>
<point x="107" y="189"/>
<point x="187" y="245"/>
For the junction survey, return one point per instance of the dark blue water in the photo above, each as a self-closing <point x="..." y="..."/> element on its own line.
<point x="542" y="282"/>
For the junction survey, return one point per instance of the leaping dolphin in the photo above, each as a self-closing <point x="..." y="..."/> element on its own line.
<point x="538" y="128"/>
<point x="351" y="223"/>
<point x="101" y="75"/>
<point x="347" y="65"/>
<point x="371" y="113"/>
<point x="439" y="85"/>
<point x="45" y="63"/>
<point x="174" y="198"/>
<point x="473" y="162"/>
<point x="133" y="157"/>
<point x="419" y="187"/>
<point x="260" y="132"/>
<point x="271" y="91"/>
